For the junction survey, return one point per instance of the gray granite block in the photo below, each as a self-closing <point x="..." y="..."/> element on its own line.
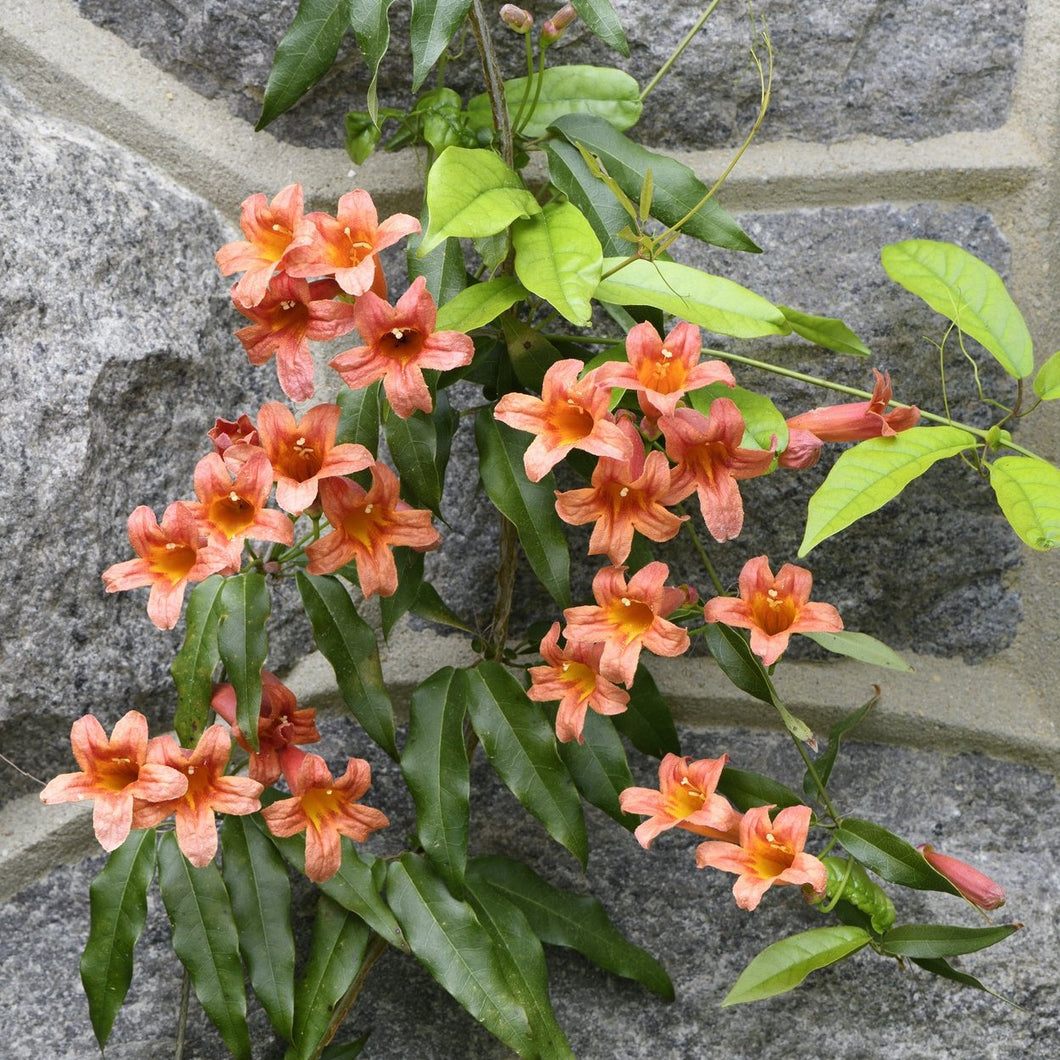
<point x="117" y="356"/>
<point x="869" y="1007"/>
<point x="903" y="71"/>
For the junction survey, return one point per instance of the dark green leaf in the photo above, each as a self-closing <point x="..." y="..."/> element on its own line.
<point x="531" y="354"/>
<point x="355" y="886"/>
<point x="336" y="954"/>
<point x="925" y="941"/>
<point x="782" y="966"/>
<point x="826" y="332"/>
<point x="647" y="722"/>
<point x="745" y="789"/>
<point x="256" y="879"/>
<point x="599" y="767"/>
<point x="447" y="938"/>
<point x="359" y="421"/>
<point x="409" y="564"/>
<point x="193" y="668"/>
<point x="600" y="17"/>
<point x="576" y="921"/>
<point x="205" y="941"/>
<point x="420" y="448"/>
<point x="823" y="765"/>
<point x="890" y="856"/>
<point x="370" y="22"/>
<point x="304" y="55"/>
<point x="435" y="765"/>
<point x="347" y="1050"/>
<point x="443" y="268"/>
<point x="677" y="189"/>
<point x="430" y="606"/>
<point x="531" y="506"/>
<point x="522" y="959"/>
<point x="433" y="24"/>
<point x="118" y="901"/>
<point x="243" y="644"/>
<point x="940" y="967"/>
<point x="521" y="746"/>
<point x="349" y="644"/>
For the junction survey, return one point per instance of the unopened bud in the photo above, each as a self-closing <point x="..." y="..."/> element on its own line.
<point x="976" y="886"/>
<point x="554" y="28"/>
<point x="516" y="18"/>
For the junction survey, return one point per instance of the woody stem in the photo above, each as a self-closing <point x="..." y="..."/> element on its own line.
<point x="494" y="81"/>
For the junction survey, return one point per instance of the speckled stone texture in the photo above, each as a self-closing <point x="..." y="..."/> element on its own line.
<point x="879" y="67"/>
<point x="868" y="1007"/>
<point x="117" y="355"/>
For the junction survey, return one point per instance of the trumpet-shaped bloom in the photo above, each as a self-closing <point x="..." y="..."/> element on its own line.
<point x="290" y="314"/>
<point x="974" y="885"/>
<point x="226" y="433"/>
<point x="661" y="370"/>
<point x="280" y="725"/>
<point x="115" y="774"/>
<point x="235" y="510"/>
<point x="858" y="420"/>
<point x="769" y="852"/>
<point x="686" y="799"/>
<point x="625" y="496"/>
<point x="365" y="528"/>
<point x="572" y="676"/>
<point x="325" y="809"/>
<point x="709" y="459"/>
<point x="571" y="413"/>
<point x="400" y="341"/>
<point x="345" y="246"/>
<point x="304" y="453"/>
<point x="773" y="608"/>
<point x="629" y="617"/>
<point x="269" y="228"/>
<point x="172" y="554"/>
<point x="209" y="791"/>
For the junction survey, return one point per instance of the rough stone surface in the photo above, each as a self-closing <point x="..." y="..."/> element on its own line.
<point x="867" y="1007"/>
<point x="905" y="71"/>
<point x="117" y="355"/>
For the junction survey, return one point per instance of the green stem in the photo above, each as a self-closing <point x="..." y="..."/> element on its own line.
<point x="529" y="80"/>
<point x="821" y="789"/>
<point x="182" y="1015"/>
<point x="828" y="384"/>
<point x="703" y="557"/>
<point x="537" y="89"/>
<point x="675" y="55"/>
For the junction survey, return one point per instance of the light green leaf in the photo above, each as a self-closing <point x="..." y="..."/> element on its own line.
<point x="1047" y="381"/>
<point x="676" y="189"/>
<point x="601" y="90"/>
<point x="689" y="294"/>
<point x="349" y="644"/>
<point x="557" y="257"/>
<point x="472" y="193"/>
<point x="862" y="647"/>
<point x="577" y="921"/>
<point x="193" y="668"/>
<point x="432" y="27"/>
<point x="243" y="644"/>
<point x="304" y="55"/>
<point x="890" y="856"/>
<point x="118" y="902"/>
<point x="531" y="506"/>
<point x="600" y="17"/>
<point x="925" y="941"/>
<point x="826" y="332"/>
<point x="255" y="876"/>
<point x="967" y="291"/>
<point x="867" y="476"/>
<point x="419" y="446"/>
<point x="1028" y="491"/>
<point x="782" y="966"/>
<point x="435" y="765"/>
<point x="521" y="746"/>
<point x="336" y="953"/>
<point x="448" y="940"/>
<point x="205" y="941"/>
<point x="370" y="22"/>
<point x="479" y="304"/>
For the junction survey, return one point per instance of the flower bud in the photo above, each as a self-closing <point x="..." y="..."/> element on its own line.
<point x="516" y="18"/>
<point x="977" y="887"/>
<point x="554" y="28"/>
